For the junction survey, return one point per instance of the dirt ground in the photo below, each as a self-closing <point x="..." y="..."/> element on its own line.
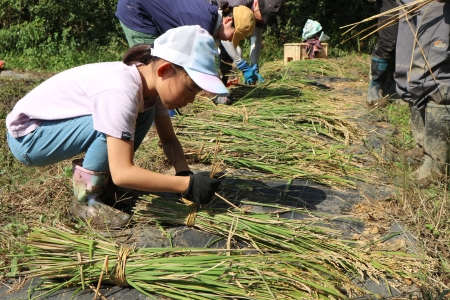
<point x="380" y="219"/>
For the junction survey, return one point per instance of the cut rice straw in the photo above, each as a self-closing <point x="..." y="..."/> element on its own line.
<point x="313" y="241"/>
<point x="391" y="17"/>
<point x="279" y="136"/>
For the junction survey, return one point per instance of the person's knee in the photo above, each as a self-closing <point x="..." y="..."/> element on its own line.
<point x="17" y="152"/>
<point x="385" y="49"/>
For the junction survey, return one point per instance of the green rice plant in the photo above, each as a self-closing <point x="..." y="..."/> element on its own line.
<point x="312" y="240"/>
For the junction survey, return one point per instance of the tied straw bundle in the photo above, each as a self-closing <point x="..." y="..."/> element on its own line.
<point x="328" y="261"/>
<point x="83" y="260"/>
<point x="389" y="17"/>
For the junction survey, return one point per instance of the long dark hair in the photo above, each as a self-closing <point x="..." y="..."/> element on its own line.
<point x="141" y="54"/>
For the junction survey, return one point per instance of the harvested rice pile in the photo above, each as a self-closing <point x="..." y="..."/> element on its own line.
<point x="286" y="130"/>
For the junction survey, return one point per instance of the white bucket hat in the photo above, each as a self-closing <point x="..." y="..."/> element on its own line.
<point x="192" y="48"/>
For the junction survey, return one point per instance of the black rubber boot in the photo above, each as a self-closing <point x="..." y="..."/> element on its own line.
<point x="390" y="88"/>
<point x="379" y="71"/>
<point x="434" y="167"/>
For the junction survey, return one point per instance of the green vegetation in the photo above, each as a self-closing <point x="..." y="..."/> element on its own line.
<point x="57" y="35"/>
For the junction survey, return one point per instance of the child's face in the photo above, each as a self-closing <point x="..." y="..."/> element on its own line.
<point x="178" y="91"/>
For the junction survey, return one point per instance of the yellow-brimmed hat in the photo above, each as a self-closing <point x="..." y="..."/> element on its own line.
<point x="244" y="23"/>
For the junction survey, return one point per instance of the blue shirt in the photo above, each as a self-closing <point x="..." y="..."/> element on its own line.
<point x="155" y="17"/>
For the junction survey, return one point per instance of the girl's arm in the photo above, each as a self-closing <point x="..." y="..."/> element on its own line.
<point x="170" y="143"/>
<point x="125" y="174"/>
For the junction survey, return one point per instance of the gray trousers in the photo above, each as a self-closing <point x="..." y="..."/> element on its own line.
<point x="422" y="70"/>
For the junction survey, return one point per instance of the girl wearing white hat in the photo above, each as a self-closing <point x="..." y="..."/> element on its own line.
<point x="105" y="110"/>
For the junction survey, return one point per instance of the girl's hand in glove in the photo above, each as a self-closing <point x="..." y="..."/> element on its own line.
<point x="201" y="188"/>
<point x="184" y="173"/>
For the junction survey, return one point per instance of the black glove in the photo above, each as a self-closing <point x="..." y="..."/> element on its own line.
<point x="184" y="173"/>
<point x="201" y="188"/>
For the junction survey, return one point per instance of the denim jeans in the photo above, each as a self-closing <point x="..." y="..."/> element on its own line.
<point x="57" y="140"/>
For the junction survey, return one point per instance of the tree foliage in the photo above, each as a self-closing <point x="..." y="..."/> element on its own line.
<point x="56" y="34"/>
<point x="33" y="22"/>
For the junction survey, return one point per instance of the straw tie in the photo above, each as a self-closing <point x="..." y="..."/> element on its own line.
<point x="118" y="272"/>
<point x="190" y="219"/>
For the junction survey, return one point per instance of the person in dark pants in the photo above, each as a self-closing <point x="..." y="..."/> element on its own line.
<point x="383" y="58"/>
<point x="422" y="75"/>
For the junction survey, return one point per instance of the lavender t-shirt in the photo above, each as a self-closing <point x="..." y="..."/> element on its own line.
<point x="111" y="92"/>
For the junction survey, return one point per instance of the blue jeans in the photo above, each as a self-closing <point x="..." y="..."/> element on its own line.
<point x="54" y="141"/>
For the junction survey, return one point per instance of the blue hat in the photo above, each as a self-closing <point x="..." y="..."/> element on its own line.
<point x="192" y="48"/>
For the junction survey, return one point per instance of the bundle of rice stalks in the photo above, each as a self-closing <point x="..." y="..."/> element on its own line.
<point x="314" y="67"/>
<point x="279" y="135"/>
<point x="330" y="260"/>
<point x="89" y="260"/>
<point x="302" y="71"/>
<point x="388" y="18"/>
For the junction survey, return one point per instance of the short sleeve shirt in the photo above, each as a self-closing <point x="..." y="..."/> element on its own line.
<point x="111" y="92"/>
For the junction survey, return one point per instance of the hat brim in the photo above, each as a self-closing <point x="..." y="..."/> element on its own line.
<point x="237" y="38"/>
<point x="209" y="83"/>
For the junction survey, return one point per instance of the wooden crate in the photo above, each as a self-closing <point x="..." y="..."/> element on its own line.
<point x="297" y="51"/>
